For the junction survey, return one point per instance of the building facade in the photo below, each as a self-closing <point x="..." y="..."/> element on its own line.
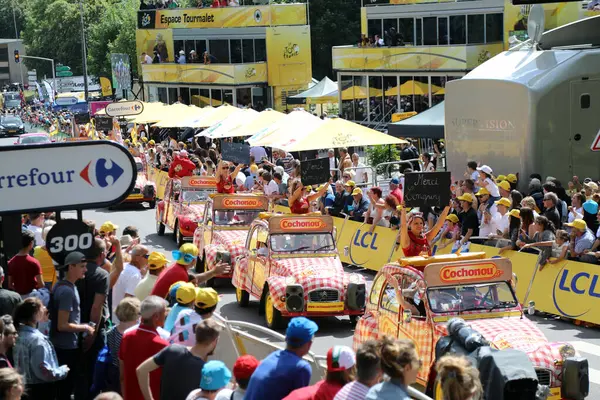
<point x="10" y="71"/>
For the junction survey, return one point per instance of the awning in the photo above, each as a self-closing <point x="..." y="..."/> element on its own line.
<point x="171" y="116"/>
<point x="215" y="116"/>
<point x="427" y="125"/>
<point x="264" y="119"/>
<point x="225" y="128"/>
<point x="294" y="125"/>
<point x="323" y="92"/>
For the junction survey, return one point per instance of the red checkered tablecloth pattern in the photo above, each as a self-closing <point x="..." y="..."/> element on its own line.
<point x="193" y="211"/>
<point x="366" y="329"/>
<point x="232" y="241"/>
<point x="240" y="275"/>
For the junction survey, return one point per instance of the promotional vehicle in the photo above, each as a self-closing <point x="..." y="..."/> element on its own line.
<point x="34" y="138"/>
<point x="11" y="125"/>
<point x="408" y="304"/>
<point x="183" y="206"/>
<point x="12" y="100"/>
<point x="144" y="190"/>
<point x="222" y="236"/>
<point x="291" y="264"/>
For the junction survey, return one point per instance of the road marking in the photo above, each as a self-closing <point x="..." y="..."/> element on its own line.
<point x="588" y="348"/>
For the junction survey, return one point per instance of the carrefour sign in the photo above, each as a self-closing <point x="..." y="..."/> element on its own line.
<point x="59" y="176"/>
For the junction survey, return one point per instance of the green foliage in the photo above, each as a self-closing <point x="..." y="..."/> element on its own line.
<point x="380" y="154"/>
<point x="7" y="23"/>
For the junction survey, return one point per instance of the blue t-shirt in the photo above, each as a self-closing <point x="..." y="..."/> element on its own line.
<point x="172" y="317"/>
<point x="328" y="200"/>
<point x="277" y="376"/>
<point x="66" y="298"/>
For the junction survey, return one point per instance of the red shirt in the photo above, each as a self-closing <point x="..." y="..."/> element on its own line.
<point x="225" y="186"/>
<point x="321" y="390"/>
<point x="417" y="246"/>
<point x="181" y="167"/>
<point x="397" y="193"/>
<point x="23" y="270"/>
<point x="136" y="347"/>
<point x="169" y="276"/>
<point x="300" y="206"/>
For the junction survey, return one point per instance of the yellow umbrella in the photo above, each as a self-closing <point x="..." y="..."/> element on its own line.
<point x="359" y="92"/>
<point x="439" y="92"/>
<point x="261" y="122"/>
<point x="202" y="101"/>
<point x="223" y="128"/>
<point x="336" y="133"/>
<point x="215" y="116"/>
<point x="153" y="112"/>
<point x="416" y="88"/>
<point x="294" y="125"/>
<point x="174" y="114"/>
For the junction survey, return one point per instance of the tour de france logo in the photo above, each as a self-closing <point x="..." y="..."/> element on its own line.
<point x="250" y="72"/>
<point x="146" y="20"/>
<point x="484" y="55"/>
<point x="291" y="50"/>
<point x="257" y="16"/>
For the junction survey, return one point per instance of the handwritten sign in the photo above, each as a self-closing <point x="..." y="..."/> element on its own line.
<point x="103" y="123"/>
<point x="315" y="172"/>
<point x="427" y="189"/>
<point x="236" y="152"/>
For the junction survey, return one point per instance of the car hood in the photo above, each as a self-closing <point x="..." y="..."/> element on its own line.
<point x="192" y="211"/>
<point x="234" y="241"/>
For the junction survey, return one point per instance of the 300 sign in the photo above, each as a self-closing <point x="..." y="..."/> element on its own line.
<point x="67" y="236"/>
<point x="71" y="243"/>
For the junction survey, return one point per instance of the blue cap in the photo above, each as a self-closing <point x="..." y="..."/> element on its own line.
<point x="591" y="207"/>
<point x="395" y="181"/>
<point x="215" y="375"/>
<point x="300" y="331"/>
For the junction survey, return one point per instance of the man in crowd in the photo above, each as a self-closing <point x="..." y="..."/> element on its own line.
<point x="396" y="191"/>
<point x="501" y="218"/>
<point x="130" y="277"/>
<point x="181" y="166"/>
<point x="66" y="317"/>
<point x="270" y="187"/>
<point x="243" y="369"/>
<point x="333" y="162"/>
<point x="582" y="238"/>
<point x="326" y="201"/>
<point x="205" y="304"/>
<point x="9" y="299"/>
<point x="360" y="205"/>
<point x="8" y="340"/>
<point x="468" y="218"/>
<point x="504" y="189"/>
<point x="368" y="372"/>
<point x="576" y="208"/>
<point x="181" y="366"/>
<point x="138" y="345"/>
<point x="345" y="160"/>
<point x="284" y="371"/>
<point x="36" y="226"/>
<point x="24" y="271"/>
<point x="550" y="209"/>
<point x="156" y="264"/>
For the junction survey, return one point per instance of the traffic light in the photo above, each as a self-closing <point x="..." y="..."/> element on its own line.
<point x="17" y="57"/>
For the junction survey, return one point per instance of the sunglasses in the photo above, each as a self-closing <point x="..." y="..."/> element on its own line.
<point x="178" y="255"/>
<point x="146" y="256"/>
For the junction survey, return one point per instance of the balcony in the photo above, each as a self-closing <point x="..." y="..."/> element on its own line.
<point x="205" y="74"/>
<point x="223" y="17"/>
<point x="459" y="58"/>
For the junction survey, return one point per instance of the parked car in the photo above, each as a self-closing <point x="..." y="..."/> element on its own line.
<point x="34" y="138"/>
<point x="11" y="125"/>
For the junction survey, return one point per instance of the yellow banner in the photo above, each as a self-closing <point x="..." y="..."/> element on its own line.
<point x="325" y="307"/>
<point x="459" y="58"/>
<point x="106" y="86"/>
<point x="226" y="74"/>
<point x="149" y="40"/>
<point x="225" y="17"/>
<point x="289" y="55"/>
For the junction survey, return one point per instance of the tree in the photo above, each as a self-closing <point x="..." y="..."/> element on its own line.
<point x="7" y="23"/>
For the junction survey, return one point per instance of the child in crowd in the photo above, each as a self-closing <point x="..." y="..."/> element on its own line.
<point x="560" y="247"/>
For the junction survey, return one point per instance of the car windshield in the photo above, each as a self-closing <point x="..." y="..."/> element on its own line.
<point x="196" y="195"/>
<point x="484" y="296"/>
<point x="235" y="217"/>
<point x="11" y="96"/>
<point x="312" y="242"/>
<point x="34" y="139"/>
<point x="11" y="120"/>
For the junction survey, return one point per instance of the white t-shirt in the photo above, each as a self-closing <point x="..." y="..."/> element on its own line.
<point x="429" y="168"/>
<point x="224" y="394"/>
<point x="126" y="284"/>
<point x="258" y="152"/>
<point x="240" y="179"/>
<point x="184" y="329"/>
<point x="486" y="230"/>
<point x="37" y="234"/>
<point x="572" y="215"/>
<point x="502" y="222"/>
<point x="491" y="186"/>
<point x="271" y="188"/>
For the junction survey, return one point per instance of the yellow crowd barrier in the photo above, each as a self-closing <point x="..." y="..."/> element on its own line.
<point x="569" y="289"/>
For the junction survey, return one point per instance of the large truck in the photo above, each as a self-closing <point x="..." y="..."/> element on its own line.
<point x="535" y="109"/>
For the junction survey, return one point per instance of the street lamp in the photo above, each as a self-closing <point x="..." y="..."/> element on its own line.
<point x="83" y="51"/>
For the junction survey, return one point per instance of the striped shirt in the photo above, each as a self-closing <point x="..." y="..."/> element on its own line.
<point x="352" y="391"/>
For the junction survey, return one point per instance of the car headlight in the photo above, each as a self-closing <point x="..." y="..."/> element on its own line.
<point x="22" y="127"/>
<point x="566" y="350"/>
<point x="354" y="278"/>
<point x="290" y="280"/>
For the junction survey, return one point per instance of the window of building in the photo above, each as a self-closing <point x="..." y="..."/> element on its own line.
<point x="228" y="96"/>
<point x="376" y="98"/>
<point x="406" y="30"/>
<point x="178" y="45"/>
<point x="357" y="92"/>
<point x="204" y="97"/>
<point x="4" y="70"/>
<point x="347" y="100"/>
<point x="430" y="36"/>
<point x="201" y="48"/>
<point x="374" y="27"/>
<point x="188" y="46"/>
<point x="476" y="26"/>
<point x="173" y="95"/>
<point x="3" y="54"/>
<point x="419" y="32"/>
<point x="220" y="50"/>
<point x="248" y="50"/>
<point x="458" y="31"/>
<point x="388" y="24"/>
<point x="236" y="51"/>
<point x="260" y="50"/>
<point x="184" y="92"/>
<point x="390" y="99"/>
<point x="260" y="98"/>
<point x="217" y="97"/>
<point x="494" y="28"/>
<point x="195" y="97"/>
<point x="442" y="30"/>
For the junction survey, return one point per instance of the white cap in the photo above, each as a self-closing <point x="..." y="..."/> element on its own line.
<point x="485" y="169"/>
<point x="183" y="153"/>
<point x="181" y="52"/>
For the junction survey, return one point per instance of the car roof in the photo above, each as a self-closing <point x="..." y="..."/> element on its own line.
<point x="34" y="134"/>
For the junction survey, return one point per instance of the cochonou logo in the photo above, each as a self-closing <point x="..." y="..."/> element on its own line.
<point x="97" y="173"/>
<point x="291" y="50"/>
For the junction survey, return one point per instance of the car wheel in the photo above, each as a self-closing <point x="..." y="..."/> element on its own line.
<point x="152" y="204"/>
<point x="354" y="319"/>
<point x="177" y="235"/>
<point x="272" y="315"/>
<point x="242" y="297"/>
<point x="160" y="228"/>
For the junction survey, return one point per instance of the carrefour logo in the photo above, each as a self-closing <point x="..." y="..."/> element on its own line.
<point x="97" y="173"/>
<point x="573" y="292"/>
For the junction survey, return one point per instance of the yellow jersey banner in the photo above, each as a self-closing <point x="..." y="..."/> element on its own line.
<point x="223" y="74"/>
<point x="224" y="17"/>
<point x="289" y="55"/>
<point x="106" y="86"/>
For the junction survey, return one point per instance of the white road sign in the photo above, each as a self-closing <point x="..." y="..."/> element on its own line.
<point x="124" y="108"/>
<point x="64" y="176"/>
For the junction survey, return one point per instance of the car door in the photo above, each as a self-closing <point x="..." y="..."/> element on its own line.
<point x="206" y="227"/>
<point x="172" y="207"/>
<point x="388" y="312"/>
<point x="251" y="248"/>
<point x="261" y="262"/>
<point x="166" y="202"/>
<point x="420" y="327"/>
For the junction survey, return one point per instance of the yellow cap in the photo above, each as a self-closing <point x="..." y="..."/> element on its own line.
<point x="152" y="142"/>
<point x="187" y="248"/>
<point x="578" y="224"/>
<point x="452" y="218"/>
<point x="357" y="191"/>
<point x="206" y="297"/>
<point x="482" y="191"/>
<point x="500" y="178"/>
<point x="127" y="141"/>
<point x="468" y="197"/>
<point x="144" y="139"/>
<point x="156" y="260"/>
<point x="253" y="168"/>
<point x="504" y="185"/>
<point x="186" y="293"/>
<point x="108" y="227"/>
<point x="515" y="213"/>
<point x="512" y="178"/>
<point x="350" y="183"/>
<point x="503" y="202"/>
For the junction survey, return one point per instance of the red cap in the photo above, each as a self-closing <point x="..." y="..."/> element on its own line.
<point x="244" y="367"/>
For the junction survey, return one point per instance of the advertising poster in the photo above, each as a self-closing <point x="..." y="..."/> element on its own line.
<point x="289" y="55"/>
<point x="150" y="40"/>
<point x="121" y="71"/>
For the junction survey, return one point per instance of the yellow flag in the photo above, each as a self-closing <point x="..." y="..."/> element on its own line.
<point x="134" y="135"/>
<point x="106" y="86"/>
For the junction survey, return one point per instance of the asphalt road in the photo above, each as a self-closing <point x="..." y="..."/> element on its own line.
<point x="331" y="330"/>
